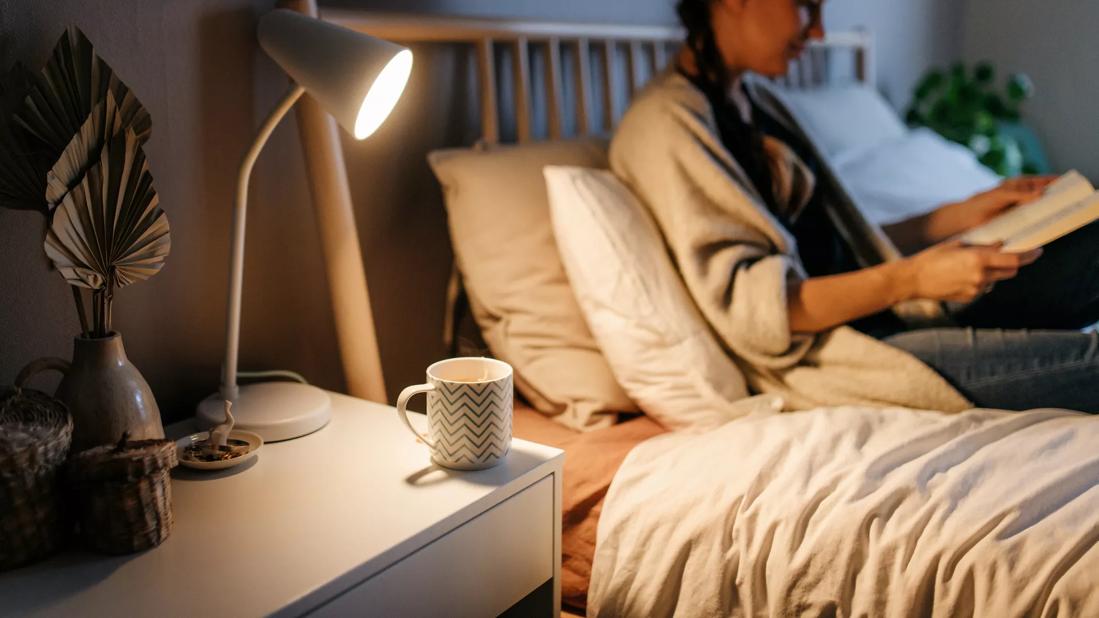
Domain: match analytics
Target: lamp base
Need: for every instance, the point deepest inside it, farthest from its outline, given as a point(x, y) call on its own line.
point(274, 410)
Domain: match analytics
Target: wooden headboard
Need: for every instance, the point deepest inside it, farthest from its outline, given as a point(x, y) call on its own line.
point(596, 60)
point(594, 52)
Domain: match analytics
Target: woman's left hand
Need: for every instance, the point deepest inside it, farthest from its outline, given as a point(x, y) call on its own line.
point(959, 217)
point(1028, 183)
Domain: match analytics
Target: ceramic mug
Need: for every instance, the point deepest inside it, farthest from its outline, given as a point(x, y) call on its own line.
point(469, 407)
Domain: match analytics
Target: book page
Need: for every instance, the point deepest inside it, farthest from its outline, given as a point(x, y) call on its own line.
point(1066, 182)
point(1067, 221)
point(1066, 191)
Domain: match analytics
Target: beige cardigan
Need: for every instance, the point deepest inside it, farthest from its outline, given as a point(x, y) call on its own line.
point(737, 259)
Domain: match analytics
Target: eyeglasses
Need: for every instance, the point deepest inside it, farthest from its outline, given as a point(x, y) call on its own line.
point(810, 11)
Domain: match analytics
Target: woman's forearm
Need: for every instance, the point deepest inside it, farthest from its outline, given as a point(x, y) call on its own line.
point(821, 303)
point(918, 233)
point(907, 235)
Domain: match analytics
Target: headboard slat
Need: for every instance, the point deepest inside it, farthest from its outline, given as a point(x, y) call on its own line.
point(520, 65)
point(609, 51)
point(633, 73)
point(659, 56)
point(582, 77)
point(555, 113)
point(486, 75)
point(820, 66)
point(864, 58)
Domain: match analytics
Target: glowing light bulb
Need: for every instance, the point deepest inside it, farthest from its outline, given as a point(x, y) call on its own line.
point(383, 94)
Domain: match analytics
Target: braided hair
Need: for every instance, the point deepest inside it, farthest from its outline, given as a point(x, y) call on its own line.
point(743, 140)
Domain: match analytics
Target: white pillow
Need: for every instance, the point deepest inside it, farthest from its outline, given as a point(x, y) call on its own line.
point(891, 173)
point(911, 175)
point(840, 119)
point(657, 343)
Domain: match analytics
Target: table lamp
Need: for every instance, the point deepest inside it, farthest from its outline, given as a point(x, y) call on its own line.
point(357, 79)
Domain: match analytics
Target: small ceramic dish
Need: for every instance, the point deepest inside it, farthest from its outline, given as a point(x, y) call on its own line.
point(246, 442)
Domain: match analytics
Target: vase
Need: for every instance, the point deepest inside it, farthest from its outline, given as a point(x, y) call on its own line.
point(107, 395)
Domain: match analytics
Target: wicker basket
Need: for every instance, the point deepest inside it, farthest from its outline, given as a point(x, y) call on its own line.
point(35, 434)
point(124, 494)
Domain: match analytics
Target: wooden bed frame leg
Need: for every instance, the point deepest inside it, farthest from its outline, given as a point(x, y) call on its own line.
point(354, 319)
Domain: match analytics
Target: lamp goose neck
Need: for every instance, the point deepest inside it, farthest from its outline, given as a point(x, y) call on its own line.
point(229, 388)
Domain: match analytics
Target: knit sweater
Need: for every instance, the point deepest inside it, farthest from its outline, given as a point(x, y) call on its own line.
point(737, 259)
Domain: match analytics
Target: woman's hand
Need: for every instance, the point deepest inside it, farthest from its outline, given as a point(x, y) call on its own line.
point(953, 219)
point(956, 272)
point(983, 207)
point(1029, 183)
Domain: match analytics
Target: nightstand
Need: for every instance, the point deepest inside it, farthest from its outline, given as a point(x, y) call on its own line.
point(350, 520)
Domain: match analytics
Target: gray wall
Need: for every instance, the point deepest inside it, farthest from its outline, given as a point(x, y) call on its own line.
point(910, 35)
point(1055, 44)
point(196, 68)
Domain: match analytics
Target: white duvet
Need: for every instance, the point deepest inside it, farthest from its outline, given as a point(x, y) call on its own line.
point(857, 512)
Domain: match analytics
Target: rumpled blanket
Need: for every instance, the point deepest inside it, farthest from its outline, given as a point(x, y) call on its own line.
point(857, 511)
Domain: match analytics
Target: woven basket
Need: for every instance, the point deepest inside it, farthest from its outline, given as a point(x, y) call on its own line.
point(124, 495)
point(35, 434)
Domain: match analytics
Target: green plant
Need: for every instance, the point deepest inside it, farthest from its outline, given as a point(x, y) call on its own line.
point(970, 108)
point(70, 148)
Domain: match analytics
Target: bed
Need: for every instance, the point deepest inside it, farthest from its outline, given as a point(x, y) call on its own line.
point(839, 511)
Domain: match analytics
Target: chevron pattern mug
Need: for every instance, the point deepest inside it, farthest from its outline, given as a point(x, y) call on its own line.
point(469, 407)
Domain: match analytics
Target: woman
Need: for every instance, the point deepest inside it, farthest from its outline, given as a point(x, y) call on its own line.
point(769, 254)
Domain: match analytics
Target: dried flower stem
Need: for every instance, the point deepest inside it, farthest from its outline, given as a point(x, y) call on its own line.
point(108, 304)
point(81, 313)
point(97, 313)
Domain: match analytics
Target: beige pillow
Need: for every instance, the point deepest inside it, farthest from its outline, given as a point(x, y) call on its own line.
point(659, 345)
point(504, 245)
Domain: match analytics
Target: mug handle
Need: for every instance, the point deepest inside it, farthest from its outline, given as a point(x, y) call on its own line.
point(402, 408)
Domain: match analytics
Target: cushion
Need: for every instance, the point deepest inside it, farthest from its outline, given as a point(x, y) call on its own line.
point(659, 346)
point(520, 297)
point(841, 118)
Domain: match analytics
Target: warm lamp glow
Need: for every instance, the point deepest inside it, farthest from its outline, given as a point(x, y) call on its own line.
point(383, 94)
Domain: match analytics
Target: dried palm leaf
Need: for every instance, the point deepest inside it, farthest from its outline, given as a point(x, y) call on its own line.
point(23, 163)
point(83, 150)
point(70, 86)
point(109, 230)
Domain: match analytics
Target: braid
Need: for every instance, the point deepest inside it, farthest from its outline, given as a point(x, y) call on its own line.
point(743, 140)
point(712, 75)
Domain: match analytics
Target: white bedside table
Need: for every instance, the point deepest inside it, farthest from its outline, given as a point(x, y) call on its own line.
point(350, 520)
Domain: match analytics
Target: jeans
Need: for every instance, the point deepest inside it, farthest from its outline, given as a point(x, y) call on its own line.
point(997, 361)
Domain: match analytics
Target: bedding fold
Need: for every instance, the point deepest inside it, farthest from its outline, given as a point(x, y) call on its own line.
point(857, 511)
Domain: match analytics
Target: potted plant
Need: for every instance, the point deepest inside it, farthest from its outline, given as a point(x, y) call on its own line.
point(970, 108)
point(71, 148)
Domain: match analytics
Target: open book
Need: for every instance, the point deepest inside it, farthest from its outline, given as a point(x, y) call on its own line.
point(1067, 205)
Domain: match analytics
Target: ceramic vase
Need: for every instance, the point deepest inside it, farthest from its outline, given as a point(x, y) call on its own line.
point(107, 395)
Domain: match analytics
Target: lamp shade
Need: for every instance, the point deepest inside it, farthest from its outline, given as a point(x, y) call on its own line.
point(357, 78)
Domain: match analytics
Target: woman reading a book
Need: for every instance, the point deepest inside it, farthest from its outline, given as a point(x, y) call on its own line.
point(771, 253)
